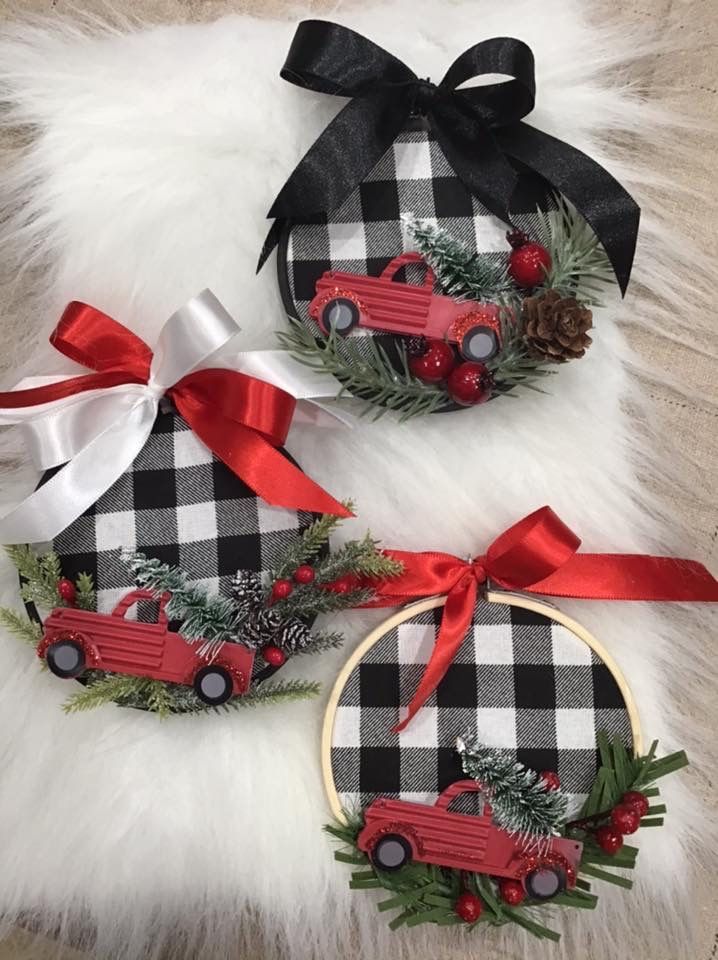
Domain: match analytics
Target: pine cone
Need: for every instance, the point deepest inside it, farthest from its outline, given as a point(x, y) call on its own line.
point(555, 327)
point(247, 591)
point(293, 635)
point(259, 629)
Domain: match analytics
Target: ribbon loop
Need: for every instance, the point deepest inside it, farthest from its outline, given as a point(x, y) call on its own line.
point(479, 129)
point(97, 424)
point(538, 555)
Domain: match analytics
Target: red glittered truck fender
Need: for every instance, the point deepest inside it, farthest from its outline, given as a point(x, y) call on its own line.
point(398, 831)
point(344, 301)
point(76, 640)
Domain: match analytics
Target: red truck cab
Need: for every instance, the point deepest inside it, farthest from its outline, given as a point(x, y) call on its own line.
point(398, 831)
point(76, 640)
point(344, 301)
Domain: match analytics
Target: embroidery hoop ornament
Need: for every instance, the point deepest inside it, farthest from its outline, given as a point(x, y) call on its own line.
point(412, 610)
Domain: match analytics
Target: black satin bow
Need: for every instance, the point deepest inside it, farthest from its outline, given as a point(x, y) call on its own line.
point(479, 130)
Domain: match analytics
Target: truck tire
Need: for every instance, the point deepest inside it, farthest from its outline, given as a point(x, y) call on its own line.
point(340, 314)
point(65, 658)
point(545, 882)
point(390, 852)
point(213, 685)
point(479, 344)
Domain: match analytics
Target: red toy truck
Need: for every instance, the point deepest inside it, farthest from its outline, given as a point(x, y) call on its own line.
point(397, 831)
point(346, 300)
point(75, 640)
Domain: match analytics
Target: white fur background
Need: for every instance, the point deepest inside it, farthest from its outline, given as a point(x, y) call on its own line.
point(150, 159)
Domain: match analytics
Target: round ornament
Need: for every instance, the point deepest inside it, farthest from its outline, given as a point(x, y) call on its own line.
point(527, 681)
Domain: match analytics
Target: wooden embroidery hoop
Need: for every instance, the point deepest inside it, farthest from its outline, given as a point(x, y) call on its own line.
point(412, 610)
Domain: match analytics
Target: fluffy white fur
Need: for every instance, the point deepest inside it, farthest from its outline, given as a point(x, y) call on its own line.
point(153, 156)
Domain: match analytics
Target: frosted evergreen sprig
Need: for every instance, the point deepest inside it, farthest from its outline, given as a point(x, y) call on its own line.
point(521, 801)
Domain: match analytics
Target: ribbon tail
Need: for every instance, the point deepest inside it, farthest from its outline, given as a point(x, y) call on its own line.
point(81, 482)
point(265, 470)
point(610, 210)
point(455, 621)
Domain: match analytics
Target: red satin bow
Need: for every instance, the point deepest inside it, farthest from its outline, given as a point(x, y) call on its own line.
point(536, 555)
point(241, 419)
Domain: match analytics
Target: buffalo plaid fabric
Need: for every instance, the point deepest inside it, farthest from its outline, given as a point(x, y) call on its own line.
point(182, 505)
point(520, 682)
point(365, 233)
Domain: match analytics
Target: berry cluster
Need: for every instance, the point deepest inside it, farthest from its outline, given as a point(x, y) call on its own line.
point(435, 361)
point(625, 818)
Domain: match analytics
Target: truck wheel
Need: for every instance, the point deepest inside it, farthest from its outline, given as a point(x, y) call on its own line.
point(340, 314)
point(213, 685)
point(546, 882)
point(479, 343)
point(65, 658)
point(391, 852)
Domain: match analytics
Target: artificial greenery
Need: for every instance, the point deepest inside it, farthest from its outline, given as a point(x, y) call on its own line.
point(427, 893)
point(250, 616)
point(463, 274)
point(579, 265)
point(579, 269)
point(365, 371)
point(521, 801)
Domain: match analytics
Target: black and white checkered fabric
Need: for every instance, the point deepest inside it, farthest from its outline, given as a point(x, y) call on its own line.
point(520, 682)
point(182, 505)
point(365, 233)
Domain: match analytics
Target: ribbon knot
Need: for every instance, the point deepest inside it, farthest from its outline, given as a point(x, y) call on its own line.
point(478, 128)
point(538, 555)
point(97, 423)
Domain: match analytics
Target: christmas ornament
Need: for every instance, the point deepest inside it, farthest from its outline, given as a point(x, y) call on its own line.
point(67, 590)
point(513, 811)
point(609, 839)
point(469, 384)
point(434, 363)
point(555, 327)
point(638, 801)
point(400, 241)
point(529, 262)
point(273, 655)
point(512, 892)
point(551, 779)
point(468, 906)
point(625, 818)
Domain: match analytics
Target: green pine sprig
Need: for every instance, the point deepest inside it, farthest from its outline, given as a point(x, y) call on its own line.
point(309, 544)
point(579, 264)
point(29, 631)
point(364, 370)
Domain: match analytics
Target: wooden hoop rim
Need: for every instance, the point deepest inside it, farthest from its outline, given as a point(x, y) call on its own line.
point(406, 613)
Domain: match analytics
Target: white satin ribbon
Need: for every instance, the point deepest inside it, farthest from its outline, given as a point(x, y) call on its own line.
point(98, 434)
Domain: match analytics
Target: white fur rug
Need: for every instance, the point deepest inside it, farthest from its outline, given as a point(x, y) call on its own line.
point(152, 156)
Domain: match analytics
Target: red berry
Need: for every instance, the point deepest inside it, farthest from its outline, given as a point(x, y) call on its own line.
point(609, 839)
point(67, 590)
point(512, 892)
point(468, 907)
point(637, 800)
point(304, 574)
point(435, 364)
point(341, 584)
point(625, 818)
point(273, 655)
point(551, 779)
point(528, 262)
point(470, 383)
point(281, 589)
